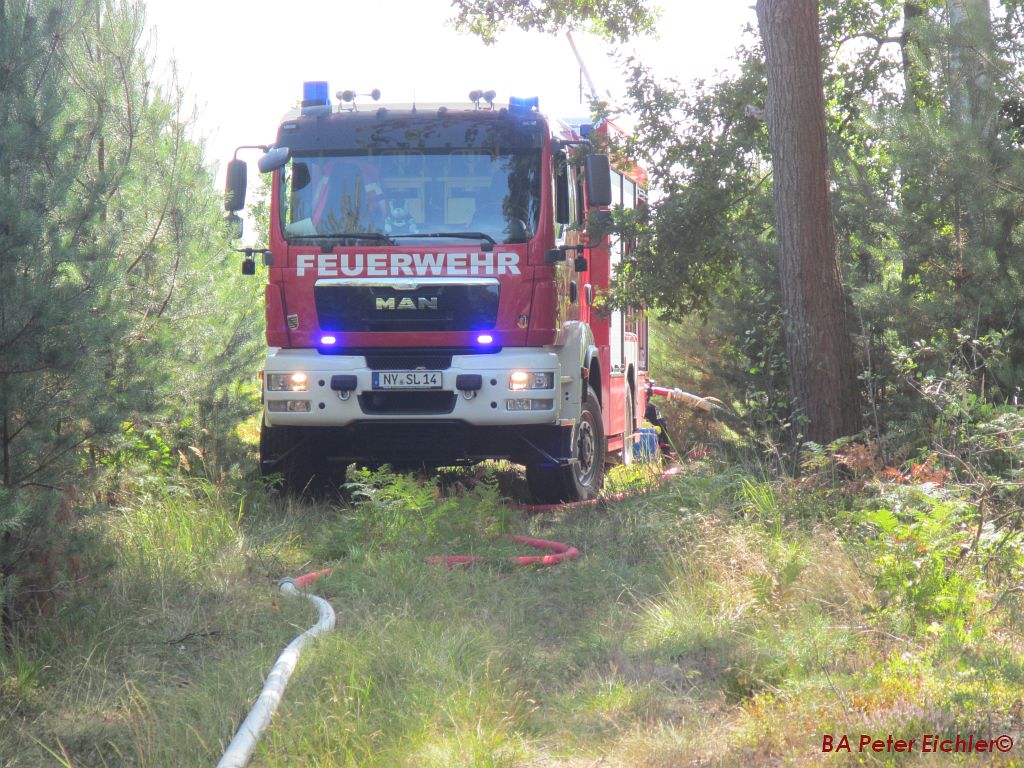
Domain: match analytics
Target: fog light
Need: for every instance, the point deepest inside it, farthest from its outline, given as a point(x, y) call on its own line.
point(529, 404)
point(286, 382)
point(289, 406)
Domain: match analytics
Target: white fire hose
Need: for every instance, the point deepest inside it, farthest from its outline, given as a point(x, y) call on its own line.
point(242, 745)
point(706, 404)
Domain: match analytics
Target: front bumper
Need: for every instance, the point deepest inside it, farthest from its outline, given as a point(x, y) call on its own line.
point(486, 407)
point(431, 443)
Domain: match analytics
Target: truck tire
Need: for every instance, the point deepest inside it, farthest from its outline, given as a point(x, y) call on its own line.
point(584, 478)
point(290, 457)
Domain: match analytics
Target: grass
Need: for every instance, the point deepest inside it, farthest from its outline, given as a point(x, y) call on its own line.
point(712, 620)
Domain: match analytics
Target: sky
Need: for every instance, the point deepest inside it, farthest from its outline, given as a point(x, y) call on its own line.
point(243, 63)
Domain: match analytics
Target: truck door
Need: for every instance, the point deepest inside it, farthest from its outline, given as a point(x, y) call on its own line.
point(617, 389)
point(617, 328)
point(566, 233)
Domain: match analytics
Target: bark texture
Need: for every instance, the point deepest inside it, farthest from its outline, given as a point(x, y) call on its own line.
point(971, 62)
point(818, 343)
point(915, 74)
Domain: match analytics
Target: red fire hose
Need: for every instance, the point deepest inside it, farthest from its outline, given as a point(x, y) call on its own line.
point(561, 552)
point(304, 581)
point(241, 747)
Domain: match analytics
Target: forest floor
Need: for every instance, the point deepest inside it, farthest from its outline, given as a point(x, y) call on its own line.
point(716, 619)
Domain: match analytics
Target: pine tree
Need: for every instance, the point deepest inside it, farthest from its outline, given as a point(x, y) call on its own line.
point(117, 310)
point(55, 270)
point(823, 372)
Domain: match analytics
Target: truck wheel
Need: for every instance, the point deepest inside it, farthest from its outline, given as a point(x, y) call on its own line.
point(585, 477)
point(290, 457)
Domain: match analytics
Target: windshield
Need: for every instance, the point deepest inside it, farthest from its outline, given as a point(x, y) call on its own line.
point(412, 192)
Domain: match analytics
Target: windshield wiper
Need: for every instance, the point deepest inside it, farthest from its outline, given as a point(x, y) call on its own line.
point(463, 235)
point(349, 236)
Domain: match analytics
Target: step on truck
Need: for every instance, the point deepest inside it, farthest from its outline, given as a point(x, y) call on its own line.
point(432, 297)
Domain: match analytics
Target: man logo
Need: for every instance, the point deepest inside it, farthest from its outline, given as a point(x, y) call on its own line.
point(419, 302)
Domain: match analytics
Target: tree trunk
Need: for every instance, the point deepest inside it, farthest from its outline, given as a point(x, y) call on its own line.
point(916, 58)
point(971, 61)
point(818, 345)
point(915, 75)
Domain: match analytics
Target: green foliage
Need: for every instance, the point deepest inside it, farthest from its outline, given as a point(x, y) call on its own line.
point(760, 499)
point(173, 531)
point(926, 204)
point(395, 511)
point(614, 19)
point(920, 550)
point(147, 448)
point(706, 154)
point(122, 333)
point(682, 624)
point(54, 272)
point(967, 420)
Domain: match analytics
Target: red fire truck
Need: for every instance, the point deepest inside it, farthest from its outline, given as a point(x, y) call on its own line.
point(432, 298)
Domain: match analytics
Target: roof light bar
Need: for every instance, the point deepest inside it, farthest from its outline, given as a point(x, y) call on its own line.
point(315, 93)
point(517, 104)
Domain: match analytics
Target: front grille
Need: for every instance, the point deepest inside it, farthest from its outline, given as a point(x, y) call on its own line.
point(437, 306)
point(400, 356)
point(408, 362)
point(407, 403)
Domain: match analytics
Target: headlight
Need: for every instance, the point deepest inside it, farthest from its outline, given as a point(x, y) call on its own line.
point(287, 382)
point(519, 381)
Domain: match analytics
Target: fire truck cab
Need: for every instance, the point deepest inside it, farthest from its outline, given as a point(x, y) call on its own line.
point(432, 298)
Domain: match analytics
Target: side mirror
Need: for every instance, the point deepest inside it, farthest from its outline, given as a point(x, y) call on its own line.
point(554, 256)
point(274, 158)
point(234, 188)
point(580, 264)
point(234, 225)
point(599, 181)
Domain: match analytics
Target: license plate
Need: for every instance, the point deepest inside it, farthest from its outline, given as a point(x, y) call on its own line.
point(407, 379)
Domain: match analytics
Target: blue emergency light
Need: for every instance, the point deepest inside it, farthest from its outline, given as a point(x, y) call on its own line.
point(315, 93)
point(585, 129)
point(517, 104)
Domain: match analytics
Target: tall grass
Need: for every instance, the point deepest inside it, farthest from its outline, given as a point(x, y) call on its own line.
point(178, 530)
point(714, 617)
